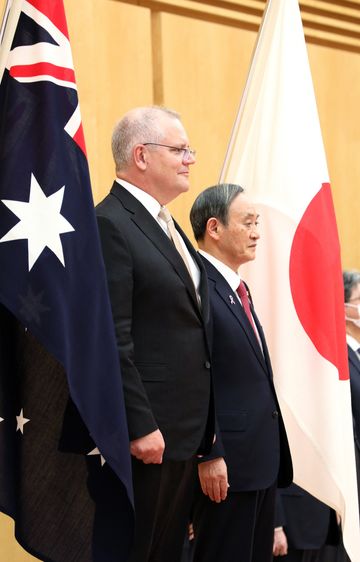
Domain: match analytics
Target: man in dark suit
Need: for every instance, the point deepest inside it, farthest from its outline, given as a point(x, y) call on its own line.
point(234, 516)
point(304, 525)
point(160, 306)
point(352, 315)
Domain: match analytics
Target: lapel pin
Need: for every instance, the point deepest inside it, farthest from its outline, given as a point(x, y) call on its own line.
point(231, 299)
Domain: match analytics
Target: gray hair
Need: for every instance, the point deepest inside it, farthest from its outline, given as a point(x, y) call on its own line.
point(137, 126)
point(212, 202)
point(351, 279)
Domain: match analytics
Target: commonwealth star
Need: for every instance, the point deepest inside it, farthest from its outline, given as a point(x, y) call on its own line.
point(40, 222)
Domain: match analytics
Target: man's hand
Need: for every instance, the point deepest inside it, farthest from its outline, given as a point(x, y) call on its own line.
point(280, 547)
point(149, 448)
point(213, 479)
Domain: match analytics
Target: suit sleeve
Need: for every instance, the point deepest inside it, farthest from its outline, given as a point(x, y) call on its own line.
point(217, 449)
point(355, 396)
point(120, 276)
point(280, 519)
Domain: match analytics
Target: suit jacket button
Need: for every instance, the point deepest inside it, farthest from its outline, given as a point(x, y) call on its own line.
point(275, 414)
point(207, 364)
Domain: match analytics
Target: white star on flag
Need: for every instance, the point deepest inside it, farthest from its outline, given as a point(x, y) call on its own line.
point(40, 222)
point(97, 452)
point(21, 421)
point(1, 419)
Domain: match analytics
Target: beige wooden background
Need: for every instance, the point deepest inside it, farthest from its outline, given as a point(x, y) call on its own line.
point(194, 55)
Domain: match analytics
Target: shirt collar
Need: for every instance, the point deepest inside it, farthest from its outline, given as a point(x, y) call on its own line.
point(144, 198)
point(352, 342)
point(229, 274)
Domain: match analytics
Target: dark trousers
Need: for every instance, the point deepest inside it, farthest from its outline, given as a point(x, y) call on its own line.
point(112, 532)
point(334, 554)
point(163, 498)
point(300, 556)
point(239, 529)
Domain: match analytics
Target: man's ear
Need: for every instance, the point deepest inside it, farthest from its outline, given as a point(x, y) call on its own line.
point(140, 156)
point(213, 228)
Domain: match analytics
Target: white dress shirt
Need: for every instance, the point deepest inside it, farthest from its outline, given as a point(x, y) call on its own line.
point(354, 344)
point(153, 207)
point(231, 276)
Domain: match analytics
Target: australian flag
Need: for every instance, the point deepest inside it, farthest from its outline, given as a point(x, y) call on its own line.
point(61, 401)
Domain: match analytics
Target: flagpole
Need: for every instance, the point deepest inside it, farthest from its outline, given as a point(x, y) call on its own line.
point(8, 26)
point(4, 16)
point(236, 125)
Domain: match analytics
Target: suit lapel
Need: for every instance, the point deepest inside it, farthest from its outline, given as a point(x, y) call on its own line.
point(353, 358)
point(265, 350)
point(224, 290)
point(153, 231)
point(203, 288)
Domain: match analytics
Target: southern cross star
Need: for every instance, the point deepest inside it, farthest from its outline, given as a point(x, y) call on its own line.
point(21, 421)
point(32, 306)
point(97, 452)
point(40, 222)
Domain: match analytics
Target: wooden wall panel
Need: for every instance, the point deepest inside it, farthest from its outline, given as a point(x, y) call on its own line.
point(10, 550)
point(111, 45)
point(204, 68)
point(336, 76)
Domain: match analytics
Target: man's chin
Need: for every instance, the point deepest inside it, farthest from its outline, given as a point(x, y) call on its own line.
point(176, 191)
point(184, 186)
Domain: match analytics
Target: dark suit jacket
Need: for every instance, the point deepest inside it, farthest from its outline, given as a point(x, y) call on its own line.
point(354, 368)
point(308, 523)
point(160, 330)
point(251, 435)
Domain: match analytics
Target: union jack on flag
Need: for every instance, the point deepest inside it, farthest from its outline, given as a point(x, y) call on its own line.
point(61, 398)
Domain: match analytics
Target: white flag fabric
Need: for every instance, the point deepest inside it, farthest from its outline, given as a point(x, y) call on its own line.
point(276, 153)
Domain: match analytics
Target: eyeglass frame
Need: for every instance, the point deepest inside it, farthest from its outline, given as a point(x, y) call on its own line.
point(187, 152)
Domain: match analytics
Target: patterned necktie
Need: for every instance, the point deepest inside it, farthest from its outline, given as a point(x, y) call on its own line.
point(164, 214)
point(243, 294)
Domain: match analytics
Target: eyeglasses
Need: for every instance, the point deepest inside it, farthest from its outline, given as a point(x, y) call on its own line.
point(185, 153)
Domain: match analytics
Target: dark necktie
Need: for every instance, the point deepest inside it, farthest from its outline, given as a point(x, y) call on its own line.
point(243, 294)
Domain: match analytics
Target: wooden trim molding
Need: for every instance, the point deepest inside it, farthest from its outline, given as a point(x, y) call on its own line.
point(332, 23)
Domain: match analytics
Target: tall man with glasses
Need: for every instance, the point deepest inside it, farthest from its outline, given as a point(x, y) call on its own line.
point(158, 291)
